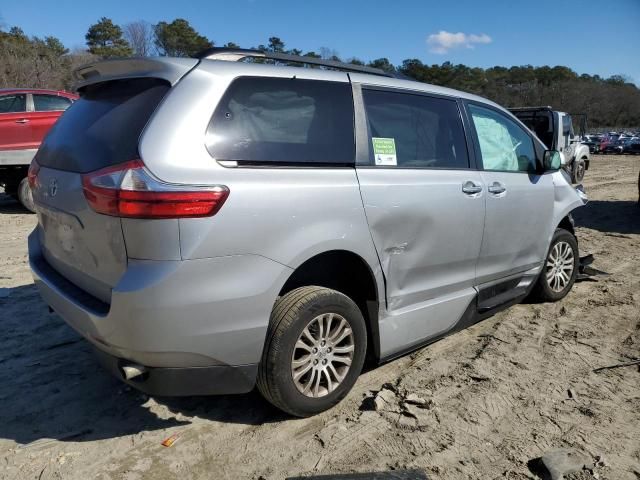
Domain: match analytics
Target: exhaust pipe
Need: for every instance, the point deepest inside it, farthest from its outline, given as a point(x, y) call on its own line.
point(133, 370)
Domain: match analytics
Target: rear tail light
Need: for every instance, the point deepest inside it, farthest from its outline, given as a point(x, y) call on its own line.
point(32, 174)
point(130, 190)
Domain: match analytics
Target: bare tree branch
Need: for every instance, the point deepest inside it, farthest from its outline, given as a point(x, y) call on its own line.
point(141, 36)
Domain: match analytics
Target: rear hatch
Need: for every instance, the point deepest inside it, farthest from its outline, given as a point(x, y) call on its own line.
point(100, 130)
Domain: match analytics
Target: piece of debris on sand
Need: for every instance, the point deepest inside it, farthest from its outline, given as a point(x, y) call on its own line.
point(385, 400)
point(557, 463)
point(167, 442)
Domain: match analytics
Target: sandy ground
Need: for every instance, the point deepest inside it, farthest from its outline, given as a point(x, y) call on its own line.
point(497, 395)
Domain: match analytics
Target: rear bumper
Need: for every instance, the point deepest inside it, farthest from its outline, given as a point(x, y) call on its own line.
point(185, 381)
point(175, 315)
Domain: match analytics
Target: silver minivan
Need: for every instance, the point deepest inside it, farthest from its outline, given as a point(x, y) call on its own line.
point(213, 224)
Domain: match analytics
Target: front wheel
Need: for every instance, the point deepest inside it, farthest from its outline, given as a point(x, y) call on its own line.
point(314, 352)
point(560, 268)
point(577, 173)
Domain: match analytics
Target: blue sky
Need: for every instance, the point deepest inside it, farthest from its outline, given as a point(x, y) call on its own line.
point(590, 36)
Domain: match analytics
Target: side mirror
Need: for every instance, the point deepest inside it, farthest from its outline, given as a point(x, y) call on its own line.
point(552, 160)
point(563, 160)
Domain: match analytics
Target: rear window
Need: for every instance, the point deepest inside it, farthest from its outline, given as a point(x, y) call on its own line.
point(283, 121)
point(103, 127)
point(50, 103)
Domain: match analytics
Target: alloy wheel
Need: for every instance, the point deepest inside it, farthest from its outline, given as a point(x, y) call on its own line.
point(560, 265)
point(322, 355)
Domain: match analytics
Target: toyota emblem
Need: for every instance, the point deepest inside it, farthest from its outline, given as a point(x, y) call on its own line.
point(53, 187)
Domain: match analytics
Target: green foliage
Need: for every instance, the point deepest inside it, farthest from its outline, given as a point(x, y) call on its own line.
point(607, 102)
point(275, 45)
point(54, 46)
point(179, 39)
point(105, 40)
point(382, 64)
point(32, 62)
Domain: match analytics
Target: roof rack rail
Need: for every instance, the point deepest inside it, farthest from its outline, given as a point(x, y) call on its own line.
point(237, 54)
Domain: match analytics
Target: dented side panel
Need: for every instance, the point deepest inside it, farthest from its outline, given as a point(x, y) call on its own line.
point(426, 231)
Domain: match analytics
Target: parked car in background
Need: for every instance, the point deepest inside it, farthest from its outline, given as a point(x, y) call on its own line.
point(631, 146)
point(593, 142)
point(211, 225)
point(607, 141)
point(614, 146)
point(26, 115)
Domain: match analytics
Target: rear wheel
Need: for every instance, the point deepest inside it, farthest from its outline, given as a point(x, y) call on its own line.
point(560, 268)
point(24, 195)
point(315, 349)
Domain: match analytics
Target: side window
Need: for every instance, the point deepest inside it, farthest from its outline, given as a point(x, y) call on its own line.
point(283, 120)
point(49, 103)
point(409, 130)
point(567, 126)
point(13, 103)
point(504, 145)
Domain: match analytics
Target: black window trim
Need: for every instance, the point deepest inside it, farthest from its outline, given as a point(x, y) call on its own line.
point(285, 164)
point(537, 148)
point(363, 152)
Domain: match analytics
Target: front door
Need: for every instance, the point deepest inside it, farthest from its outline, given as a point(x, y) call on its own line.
point(519, 207)
point(425, 209)
point(15, 130)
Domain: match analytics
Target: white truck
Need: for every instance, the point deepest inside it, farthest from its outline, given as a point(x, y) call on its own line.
point(555, 130)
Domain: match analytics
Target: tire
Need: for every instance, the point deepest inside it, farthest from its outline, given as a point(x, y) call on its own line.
point(550, 288)
point(306, 308)
point(25, 197)
point(577, 170)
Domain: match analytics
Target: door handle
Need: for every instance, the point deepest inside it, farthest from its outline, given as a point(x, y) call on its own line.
point(22, 120)
point(471, 188)
point(497, 188)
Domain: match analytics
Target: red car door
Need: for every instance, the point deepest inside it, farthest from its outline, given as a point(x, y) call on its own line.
point(15, 128)
point(47, 110)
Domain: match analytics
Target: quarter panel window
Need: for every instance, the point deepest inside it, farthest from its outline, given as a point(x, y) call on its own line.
point(283, 120)
point(50, 103)
point(504, 145)
point(409, 130)
point(13, 103)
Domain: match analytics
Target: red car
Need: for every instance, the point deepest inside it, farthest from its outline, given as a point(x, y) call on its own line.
point(607, 143)
point(26, 115)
